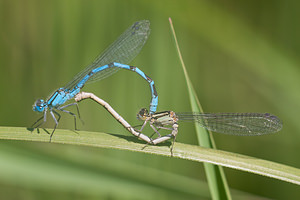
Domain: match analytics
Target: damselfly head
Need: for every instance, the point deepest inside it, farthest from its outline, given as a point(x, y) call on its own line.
point(142, 114)
point(39, 105)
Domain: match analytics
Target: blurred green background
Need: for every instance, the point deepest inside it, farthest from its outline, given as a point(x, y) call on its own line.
point(242, 56)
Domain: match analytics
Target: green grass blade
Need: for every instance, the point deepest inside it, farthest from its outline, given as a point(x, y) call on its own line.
point(183, 151)
point(63, 168)
point(215, 174)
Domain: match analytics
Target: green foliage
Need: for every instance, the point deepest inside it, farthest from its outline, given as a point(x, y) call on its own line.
point(183, 151)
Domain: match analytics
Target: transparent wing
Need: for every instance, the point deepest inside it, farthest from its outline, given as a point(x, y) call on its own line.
point(123, 50)
point(235, 123)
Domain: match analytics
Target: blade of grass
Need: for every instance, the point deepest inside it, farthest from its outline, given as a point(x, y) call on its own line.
point(64, 168)
point(183, 151)
point(215, 174)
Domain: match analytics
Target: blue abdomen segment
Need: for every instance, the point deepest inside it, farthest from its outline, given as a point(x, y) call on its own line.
point(154, 96)
point(100, 70)
point(91, 74)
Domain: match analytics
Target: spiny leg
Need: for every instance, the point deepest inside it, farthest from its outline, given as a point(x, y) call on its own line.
point(37, 122)
point(137, 126)
point(55, 120)
point(72, 104)
point(143, 126)
point(174, 134)
point(162, 127)
point(168, 137)
point(155, 130)
point(154, 133)
point(140, 131)
point(77, 107)
point(43, 117)
point(172, 145)
point(66, 111)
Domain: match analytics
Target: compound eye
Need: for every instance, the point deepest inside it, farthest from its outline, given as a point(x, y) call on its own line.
point(39, 103)
point(142, 114)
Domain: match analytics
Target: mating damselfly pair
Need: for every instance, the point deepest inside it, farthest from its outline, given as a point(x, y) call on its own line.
point(116, 57)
